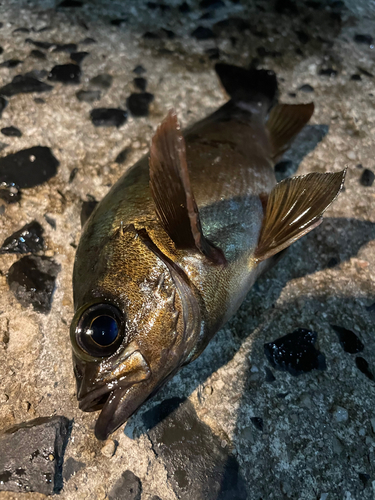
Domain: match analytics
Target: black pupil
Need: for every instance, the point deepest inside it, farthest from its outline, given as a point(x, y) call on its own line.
point(104, 330)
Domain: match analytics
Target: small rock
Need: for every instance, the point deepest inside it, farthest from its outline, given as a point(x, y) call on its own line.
point(170, 34)
point(364, 39)
point(108, 117)
point(3, 105)
point(362, 366)
point(150, 35)
point(10, 194)
point(32, 281)
point(348, 340)
point(39, 74)
point(70, 3)
point(102, 81)
point(364, 478)
point(50, 221)
point(202, 33)
point(21, 30)
point(119, 22)
point(87, 209)
point(330, 72)
point(356, 77)
point(213, 53)
point(127, 487)
point(364, 72)
point(140, 83)
point(22, 84)
point(25, 451)
point(28, 239)
point(11, 63)
point(306, 88)
point(73, 174)
point(40, 45)
point(109, 448)
point(28, 167)
point(258, 423)
point(37, 54)
point(155, 497)
point(139, 70)
point(65, 47)
point(138, 104)
point(88, 41)
point(71, 467)
point(340, 414)
point(121, 157)
point(11, 132)
point(65, 73)
point(211, 4)
point(367, 178)
point(295, 352)
point(78, 57)
point(88, 95)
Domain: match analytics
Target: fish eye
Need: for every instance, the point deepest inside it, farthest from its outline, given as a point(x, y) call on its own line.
point(99, 330)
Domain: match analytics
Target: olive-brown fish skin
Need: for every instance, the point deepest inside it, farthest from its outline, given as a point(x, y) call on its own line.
point(172, 300)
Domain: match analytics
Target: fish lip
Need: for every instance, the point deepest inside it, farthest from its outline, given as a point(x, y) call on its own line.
point(87, 402)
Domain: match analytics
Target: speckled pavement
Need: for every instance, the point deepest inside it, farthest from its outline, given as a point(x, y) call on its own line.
point(303, 437)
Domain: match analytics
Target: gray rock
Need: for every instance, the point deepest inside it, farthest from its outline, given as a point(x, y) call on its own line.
point(32, 454)
point(88, 95)
point(199, 467)
point(102, 81)
point(127, 487)
point(71, 467)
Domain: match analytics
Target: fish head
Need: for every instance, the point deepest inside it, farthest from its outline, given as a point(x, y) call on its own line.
point(135, 324)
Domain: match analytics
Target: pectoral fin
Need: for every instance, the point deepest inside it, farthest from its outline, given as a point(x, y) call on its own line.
point(284, 123)
point(294, 207)
point(172, 193)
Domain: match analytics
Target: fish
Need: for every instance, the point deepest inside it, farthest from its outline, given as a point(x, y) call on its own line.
point(170, 253)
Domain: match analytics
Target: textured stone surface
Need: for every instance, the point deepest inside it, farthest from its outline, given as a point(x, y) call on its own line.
point(32, 455)
point(306, 451)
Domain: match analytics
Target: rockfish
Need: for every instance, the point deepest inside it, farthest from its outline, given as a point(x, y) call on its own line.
point(168, 256)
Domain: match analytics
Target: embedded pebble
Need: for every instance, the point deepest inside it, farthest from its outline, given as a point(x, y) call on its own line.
point(22, 84)
point(295, 352)
point(108, 117)
point(28, 239)
point(306, 88)
point(88, 41)
point(362, 366)
point(39, 74)
point(3, 105)
point(109, 448)
point(32, 281)
point(78, 57)
point(258, 423)
point(211, 4)
point(139, 70)
point(11, 131)
point(122, 156)
point(10, 194)
point(88, 95)
point(39, 44)
point(28, 167)
point(202, 33)
point(348, 340)
point(138, 104)
point(32, 455)
point(140, 83)
point(37, 54)
point(127, 487)
point(367, 178)
point(65, 73)
point(330, 72)
point(65, 47)
point(356, 77)
point(102, 81)
point(71, 3)
point(11, 63)
point(364, 39)
point(340, 414)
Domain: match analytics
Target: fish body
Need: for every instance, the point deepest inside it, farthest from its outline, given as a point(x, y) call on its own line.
point(169, 254)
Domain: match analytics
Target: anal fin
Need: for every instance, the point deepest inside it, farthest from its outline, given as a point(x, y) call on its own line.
point(172, 193)
point(284, 123)
point(294, 207)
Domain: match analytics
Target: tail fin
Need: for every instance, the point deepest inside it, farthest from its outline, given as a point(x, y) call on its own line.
point(248, 85)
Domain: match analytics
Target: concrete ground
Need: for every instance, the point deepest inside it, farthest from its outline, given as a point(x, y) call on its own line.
point(284, 437)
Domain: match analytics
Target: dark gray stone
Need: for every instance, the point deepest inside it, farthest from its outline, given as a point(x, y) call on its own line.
point(32, 454)
point(28, 239)
point(65, 73)
point(22, 84)
point(102, 81)
point(28, 167)
point(127, 487)
point(108, 117)
point(88, 95)
point(32, 281)
point(198, 466)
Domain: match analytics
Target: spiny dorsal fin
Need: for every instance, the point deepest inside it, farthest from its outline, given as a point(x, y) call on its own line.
point(295, 206)
point(171, 190)
point(284, 123)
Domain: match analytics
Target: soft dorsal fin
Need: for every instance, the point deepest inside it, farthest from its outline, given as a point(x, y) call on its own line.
point(284, 123)
point(295, 206)
point(172, 193)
